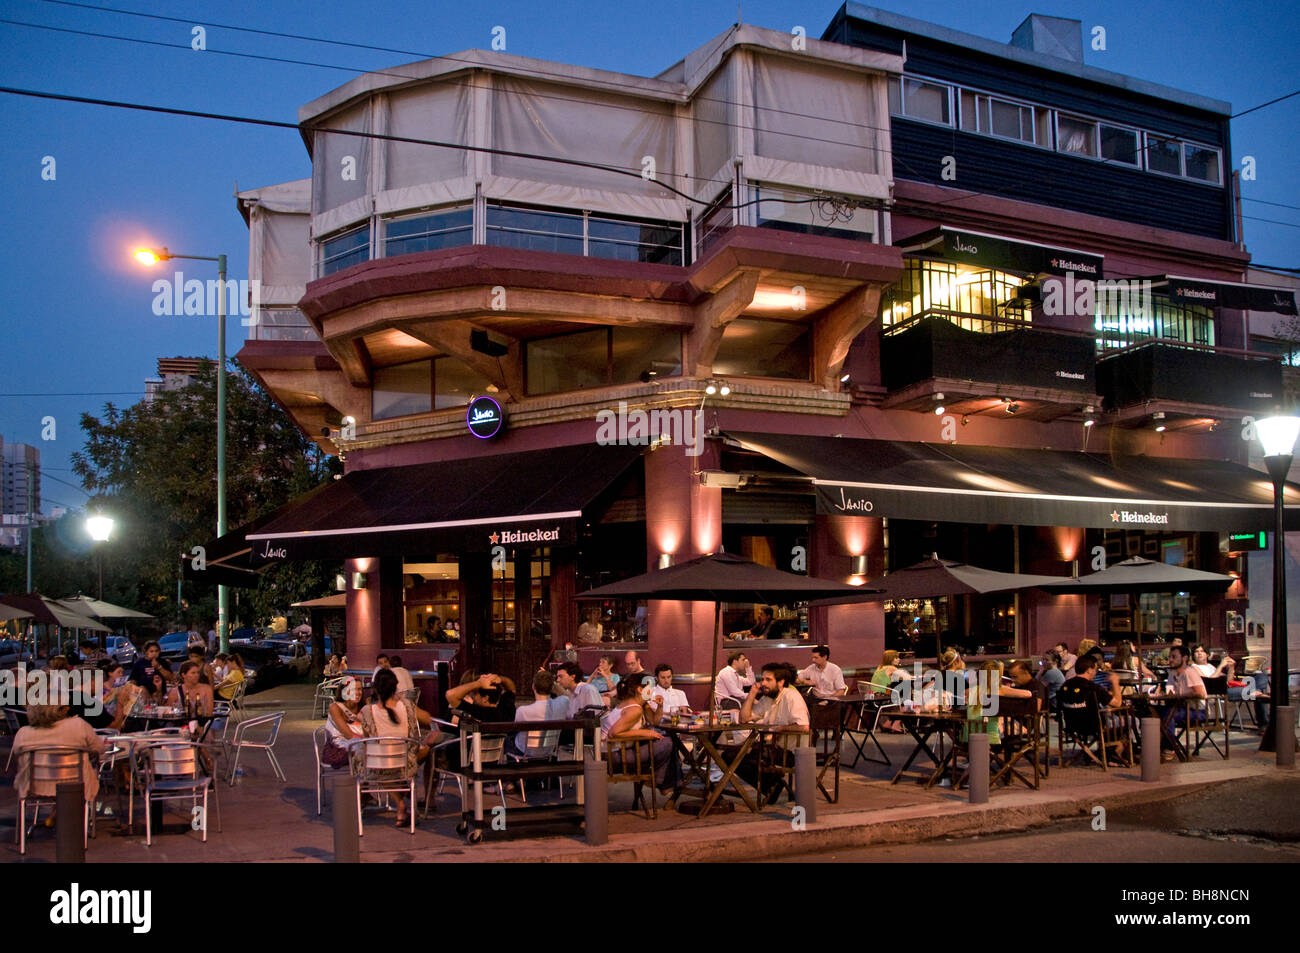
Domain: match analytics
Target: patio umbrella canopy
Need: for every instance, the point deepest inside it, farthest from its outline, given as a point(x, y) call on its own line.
point(99, 609)
point(1144, 575)
point(9, 612)
point(719, 578)
point(944, 577)
point(49, 612)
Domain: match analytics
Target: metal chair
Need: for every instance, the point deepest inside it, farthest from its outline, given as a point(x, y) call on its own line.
point(253, 726)
point(51, 765)
point(538, 746)
point(236, 711)
point(173, 771)
point(326, 694)
point(380, 757)
point(492, 750)
point(434, 772)
point(319, 737)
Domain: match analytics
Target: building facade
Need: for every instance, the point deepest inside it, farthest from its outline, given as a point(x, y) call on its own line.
point(816, 302)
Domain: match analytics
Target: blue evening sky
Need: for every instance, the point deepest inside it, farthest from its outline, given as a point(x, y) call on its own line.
point(79, 316)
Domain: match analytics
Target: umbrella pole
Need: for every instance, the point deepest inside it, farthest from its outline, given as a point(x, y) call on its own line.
point(717, 636)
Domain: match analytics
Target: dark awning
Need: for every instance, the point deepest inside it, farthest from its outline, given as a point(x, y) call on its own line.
point(1003, 253)
point(952, 483)
point(532, 499)
point(1227, 294)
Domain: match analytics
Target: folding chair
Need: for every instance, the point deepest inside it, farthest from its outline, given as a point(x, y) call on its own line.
point(1019, 737)
point(173, 771)
point(776, 763)
point(636, 765)
point(51, 765)
point(383, 769)
point(1215, 716)
point(254, 726)
point(871, 710)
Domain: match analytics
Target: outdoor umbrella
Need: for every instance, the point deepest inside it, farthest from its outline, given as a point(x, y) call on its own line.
point(49, 612)
point(9, 612)
point(719, 578)
point(934, 577)
point(99, 609)
point(1143, 575)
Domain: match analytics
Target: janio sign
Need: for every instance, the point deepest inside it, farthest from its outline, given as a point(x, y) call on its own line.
point(485, 418)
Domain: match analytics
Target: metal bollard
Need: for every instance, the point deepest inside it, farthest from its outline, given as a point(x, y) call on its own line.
point(596, 808)
point(805, 781)
point(347, 835)
point(978, 748)
point(69, 804)
point(1284, 741)
point(1151, 737)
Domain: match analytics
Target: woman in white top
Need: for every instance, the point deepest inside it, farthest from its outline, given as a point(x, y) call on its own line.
point(391, 716)
point(626, 722)
point(343, 724)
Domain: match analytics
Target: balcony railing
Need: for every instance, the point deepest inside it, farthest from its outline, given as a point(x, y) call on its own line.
point(1190, 373)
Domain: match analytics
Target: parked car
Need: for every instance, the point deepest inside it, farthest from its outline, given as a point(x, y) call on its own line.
point(296, 656)
point(173, 647)
point(263, 667)
point(121, 649)
point(11, 653)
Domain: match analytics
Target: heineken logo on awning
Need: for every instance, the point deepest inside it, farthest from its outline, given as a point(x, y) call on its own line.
point(509, 537)
point(1132, 516)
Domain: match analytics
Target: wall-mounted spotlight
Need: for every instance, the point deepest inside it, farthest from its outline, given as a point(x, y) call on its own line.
point(1159, 418)
point(719, 387)
point(859, 565)
point(1088, 419)
point(844, 378)
point(964, 420)
point(938, 405)
point(359, 580)
point(1013, 407)
point(665, 560)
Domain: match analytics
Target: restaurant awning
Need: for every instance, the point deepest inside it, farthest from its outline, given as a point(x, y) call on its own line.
point(1226, 294)
point(1015, 486)
point(1003, 253)
point(533, 498)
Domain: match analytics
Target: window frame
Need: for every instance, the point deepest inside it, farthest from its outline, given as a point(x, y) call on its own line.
point(428, 211)
point(323, 260)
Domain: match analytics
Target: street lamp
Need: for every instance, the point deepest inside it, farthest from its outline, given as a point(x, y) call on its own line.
point(100, 528)
point(1278, 436)
point(152, 256)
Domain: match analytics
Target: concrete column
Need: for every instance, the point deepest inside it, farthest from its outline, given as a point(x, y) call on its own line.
point(855, 633)
point(979, 767)
point(1151, 749)
point(595, 781)
point(347, 835)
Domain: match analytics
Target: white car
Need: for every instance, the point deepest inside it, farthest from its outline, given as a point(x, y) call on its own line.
point(120, 649)
point(295, 655)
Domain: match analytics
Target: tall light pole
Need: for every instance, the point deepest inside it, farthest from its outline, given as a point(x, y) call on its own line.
point(1278, 437)
point(151, 256)
point(100, 527)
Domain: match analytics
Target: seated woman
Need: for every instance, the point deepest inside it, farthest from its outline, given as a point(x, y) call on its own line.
point(1126, 662)
point(189, 694)
point(981, 713)
point(343, 724)
point(627, 720)
point(225, 689)
point(605, 679)
point(119, 696)
point(334, 667)
point(53, 725)
point(882, 678)
point(391, 716)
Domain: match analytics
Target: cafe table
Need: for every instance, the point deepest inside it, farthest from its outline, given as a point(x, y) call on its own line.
point(922, 726)
point(1168, 707)
point(832, 715)
point(704, 750)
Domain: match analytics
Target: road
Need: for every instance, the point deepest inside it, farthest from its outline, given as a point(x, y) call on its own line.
point(1251, 821)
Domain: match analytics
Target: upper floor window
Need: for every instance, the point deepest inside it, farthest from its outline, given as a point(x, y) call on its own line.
point(600, 357)
point(976, 299)
point(926, 100)
point(418, 387)
point(345, 250)
point(1076, 135)
point(752, 347)
point(595, 234)
point(1005, 119)
point(1127, 320)
point(445, 228)
point(281, 324)
point(809, 214)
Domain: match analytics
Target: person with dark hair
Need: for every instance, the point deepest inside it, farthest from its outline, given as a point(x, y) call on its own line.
point(234, 676)
point(734, 679)
point(189, 694)
point(1023, 678)
point(394, 716)
point(628, 720)
point(544, 707)
point(1184, 682)
point(670, 699)
point(405, 682)
point(580, 694)
point(197, 655)
point(1068, 659)
point(1107, 695)
point(1052, 675)
point(605, 679)
point(775, 701)
point(483, 697)
point(763, 627)
point(150, 672)
point(381, 662)
point(825, 677)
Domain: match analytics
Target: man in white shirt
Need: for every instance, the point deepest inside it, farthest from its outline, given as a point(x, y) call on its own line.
point(670, 699)
point(542, 708)
point(826, 678)
point(734, 679)
point(774, 702)
point(580, 694)
point(404, 680)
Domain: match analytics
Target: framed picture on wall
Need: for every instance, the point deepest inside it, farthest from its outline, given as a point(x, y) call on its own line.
point(1166, 606)
point(1121, 623)
point(1166, 626)
point(1151, 547)
point(1119, 600)
point(1132, 545)
point(1180, 625)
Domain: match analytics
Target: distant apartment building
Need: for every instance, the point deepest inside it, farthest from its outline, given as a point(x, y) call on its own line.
point(173, 374)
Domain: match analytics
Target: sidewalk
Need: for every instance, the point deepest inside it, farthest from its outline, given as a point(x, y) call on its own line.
point(264, 820)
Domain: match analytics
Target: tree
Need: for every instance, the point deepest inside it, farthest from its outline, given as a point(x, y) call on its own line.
point(153, 467)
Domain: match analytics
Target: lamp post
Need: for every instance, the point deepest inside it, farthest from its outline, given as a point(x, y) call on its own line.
point(100, 528)
point(1278, 436)
point(151, 256)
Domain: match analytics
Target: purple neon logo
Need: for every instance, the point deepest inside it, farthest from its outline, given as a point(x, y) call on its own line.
point(484, 417)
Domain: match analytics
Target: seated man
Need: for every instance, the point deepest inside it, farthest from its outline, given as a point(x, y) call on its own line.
point(774, 702)
point(1083, 694)
point(762, 628)
point(405, 682)
point(1184, 682)
point(1023, 678)
point(734, 679)
point(542, 708)
point(580, 694)
point(632, 668)
point(670, 699)
point(825, 677)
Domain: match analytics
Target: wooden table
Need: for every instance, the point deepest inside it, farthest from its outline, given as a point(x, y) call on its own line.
point(922, 726)
point(844, 706)
point(697, 767)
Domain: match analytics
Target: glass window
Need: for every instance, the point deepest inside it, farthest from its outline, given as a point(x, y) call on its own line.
point(568, 362)
point(628, 240)
point(755, 348)
point(1006, 120)
point(444, 229)
point(975, 299)
point(895, 96)
point(282, 324)
point(922, 100)
point(1075, 135)
point(810, 214)
point(345, 250)
point(1201, 163)
point(1043, 126)
point(1164, 154)
point(968, 115)
point(1125, 320)
point(455, 382)
point(638, 350)
point(402, 389)
point(534, 229)
point(1119, 145)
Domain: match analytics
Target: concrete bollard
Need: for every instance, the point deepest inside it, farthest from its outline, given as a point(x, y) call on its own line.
point(1285, 739)
point(1151, 737)
point(595, 780)
point(805, 781)
point(978, 747)
point(69, 805)
point(347, 833)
